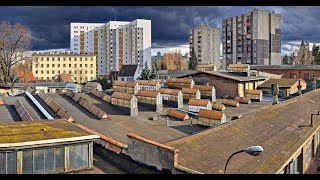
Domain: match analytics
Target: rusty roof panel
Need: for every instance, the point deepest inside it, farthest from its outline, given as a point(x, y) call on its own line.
point(253, 91)
point(198, 102)
point(142, 82)
point(211, 114)
point(146, 93)
point(178, 114)
point(230, 102)
point(123, 96)
point(189, 91)
point(203, 87)
point(169, 91)
point(219, 107)
point(180, 80)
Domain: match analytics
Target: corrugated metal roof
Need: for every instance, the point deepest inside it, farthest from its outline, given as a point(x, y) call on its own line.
point(177, 114)
point(198, 102)
point(189, 91)
point(212, 114)
point(179, 80)
point(146, 93)
point(230, 102)
point(123, 96)
point(253, 91)
point(203, 87)
point(219, 107)
point(169, 91)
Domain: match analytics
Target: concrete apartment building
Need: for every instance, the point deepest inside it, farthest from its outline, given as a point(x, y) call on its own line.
point(48, 66)
point(205, 43)
point(252, 38)
point(116, 43)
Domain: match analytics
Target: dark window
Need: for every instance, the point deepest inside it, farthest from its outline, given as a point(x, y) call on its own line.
point(27, 162)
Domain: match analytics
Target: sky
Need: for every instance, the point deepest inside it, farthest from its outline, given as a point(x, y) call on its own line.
point(50, 26)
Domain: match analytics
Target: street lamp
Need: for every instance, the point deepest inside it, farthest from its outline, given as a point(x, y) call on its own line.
point(252, 150)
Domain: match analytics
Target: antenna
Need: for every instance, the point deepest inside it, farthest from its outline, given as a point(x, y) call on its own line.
point(115, 16)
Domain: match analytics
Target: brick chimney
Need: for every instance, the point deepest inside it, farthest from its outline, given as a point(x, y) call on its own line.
point(275, 93)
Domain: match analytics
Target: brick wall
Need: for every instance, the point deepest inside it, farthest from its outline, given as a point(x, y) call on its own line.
point(222, 85)
point(293, 73)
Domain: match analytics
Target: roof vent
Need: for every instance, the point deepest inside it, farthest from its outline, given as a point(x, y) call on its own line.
point(43, 129)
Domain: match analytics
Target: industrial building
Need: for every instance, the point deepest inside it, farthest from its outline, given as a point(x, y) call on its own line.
point(126, 87)
point(226, 84)
point(252, 38)
point(44, 147)
point(178, 114)
point(253, 94)
point(286, 86)
point(149, 85)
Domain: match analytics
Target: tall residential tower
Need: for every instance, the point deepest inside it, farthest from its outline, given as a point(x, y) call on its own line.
point(252, 38)
point(205, 43)
point(116, 43)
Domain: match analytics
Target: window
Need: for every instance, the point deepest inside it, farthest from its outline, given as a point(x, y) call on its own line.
point(58, 59)
point(42, 59)
point(81, 65)
point(59, 159)
point(86, 59)
point(47, 65)
point(85, 71)
point(41, 72)
point(52, 65)
point(58, 65)
point(36, 72)
point(58, 71)
point(69, 58)
point(75, 65)
point(69, 65)
point(8, 162)
point(52, 58)
point(91, 65)
point(47, 59)
point(79, 156)
point(38, 158)
point(86, 65)
point(309, 152)
point(64, 59)
point(91, 71)
point(75, 71)
point(52, 71)
point(27, 162)
point(64, 65)
point(48, 72)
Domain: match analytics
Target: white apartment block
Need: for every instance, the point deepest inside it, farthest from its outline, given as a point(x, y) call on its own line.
point(116, 43)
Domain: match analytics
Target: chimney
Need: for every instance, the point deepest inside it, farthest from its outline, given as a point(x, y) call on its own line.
point(299, 87)
point(275, 93)
point(314, 83)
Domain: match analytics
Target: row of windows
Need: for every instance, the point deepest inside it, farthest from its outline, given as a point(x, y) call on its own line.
point(45, 160)
point(64, 59)
point(64, 71)
point(53, 78)
point(63, 65)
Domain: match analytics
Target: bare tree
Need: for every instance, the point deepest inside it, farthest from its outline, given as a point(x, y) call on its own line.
point(15, 41)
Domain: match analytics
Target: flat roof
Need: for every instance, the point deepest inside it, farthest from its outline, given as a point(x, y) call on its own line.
point(284, 67)
point(282, 83)
point(226, 75)
point(280, 129)
point(26, 131)
point(121, 123)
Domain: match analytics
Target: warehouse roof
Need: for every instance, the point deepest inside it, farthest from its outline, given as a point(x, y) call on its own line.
point(211, 114)
point(283, 83)
point(128, 70)
point(280, 129)
point(19, 132)
point(226, 75)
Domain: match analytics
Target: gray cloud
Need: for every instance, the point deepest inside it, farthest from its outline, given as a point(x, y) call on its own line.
point(170, 25)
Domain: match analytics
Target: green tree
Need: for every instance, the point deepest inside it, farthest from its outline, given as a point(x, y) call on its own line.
point(193, 61)
point(285, 59)
point(145, 74)
point(104, 82)
point(154, 72)
point(316, 53)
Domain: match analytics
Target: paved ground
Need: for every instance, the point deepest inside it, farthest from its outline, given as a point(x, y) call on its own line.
point(120, 123)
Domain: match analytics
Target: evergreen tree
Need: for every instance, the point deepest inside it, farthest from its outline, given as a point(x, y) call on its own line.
point(104, 82)
point(316, 53)
point(145, 74)
point(154, 72)
point(193, 61)
point(302, 43)
point(285, 60)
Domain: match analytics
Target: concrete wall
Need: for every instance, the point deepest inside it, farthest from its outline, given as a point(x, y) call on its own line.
point(151, 153)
